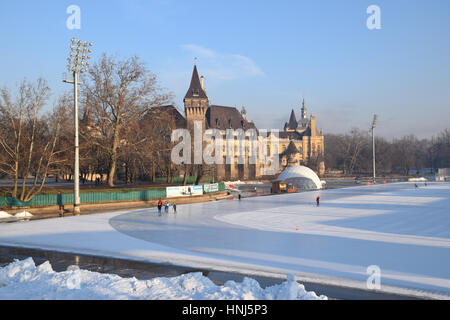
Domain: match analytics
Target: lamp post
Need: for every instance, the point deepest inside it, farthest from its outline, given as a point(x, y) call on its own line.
point(374, 124)
point(77, 63)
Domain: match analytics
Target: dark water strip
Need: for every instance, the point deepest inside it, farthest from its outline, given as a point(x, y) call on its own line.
point(145, 271)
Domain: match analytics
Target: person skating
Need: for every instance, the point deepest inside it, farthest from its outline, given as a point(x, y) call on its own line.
point(167, 207)
point(159, 206)
point(61, 210)
point(318, 201)
point(174, 206)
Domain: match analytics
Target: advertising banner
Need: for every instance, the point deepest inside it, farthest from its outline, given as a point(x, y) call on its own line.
point(210, 188)
point(184, 191)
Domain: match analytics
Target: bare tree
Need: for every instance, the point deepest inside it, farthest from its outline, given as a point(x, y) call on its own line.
point(28, 139)
point(119, 93)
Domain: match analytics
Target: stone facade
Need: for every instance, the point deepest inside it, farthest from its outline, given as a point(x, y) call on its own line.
point(300, 143)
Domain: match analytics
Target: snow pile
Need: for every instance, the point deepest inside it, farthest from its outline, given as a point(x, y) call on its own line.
point(233, 182)
point(22, 280)
point(242, 182)
point(421, 179)
point(4, 215)
point(23, 214)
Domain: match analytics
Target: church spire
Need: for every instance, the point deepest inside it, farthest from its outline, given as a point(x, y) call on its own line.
point(292, 124)
point(195, 89)
point(303, 109)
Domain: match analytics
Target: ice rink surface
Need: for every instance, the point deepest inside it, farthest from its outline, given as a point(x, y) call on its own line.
point(403, 230)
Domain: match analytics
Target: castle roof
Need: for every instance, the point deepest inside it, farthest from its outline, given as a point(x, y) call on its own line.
point(291, 135)
point(292, 124)
point(222, 118)
point(195, 89)
point(291, 149)
point(166, 113)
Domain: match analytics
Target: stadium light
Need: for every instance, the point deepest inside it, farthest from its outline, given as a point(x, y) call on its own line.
point(77, 63)
point(374, 124)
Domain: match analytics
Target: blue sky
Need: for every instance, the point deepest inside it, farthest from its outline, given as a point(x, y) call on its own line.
point(264, 55)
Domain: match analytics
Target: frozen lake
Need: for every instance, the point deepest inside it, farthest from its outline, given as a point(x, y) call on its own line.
point(403, 230)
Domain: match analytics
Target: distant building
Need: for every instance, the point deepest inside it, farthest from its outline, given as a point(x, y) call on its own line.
point(198, 108)
point(300, 143)
point(443, 174)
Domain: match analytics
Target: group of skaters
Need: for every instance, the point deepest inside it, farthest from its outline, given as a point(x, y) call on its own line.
point(166, 206)
point(417, 186)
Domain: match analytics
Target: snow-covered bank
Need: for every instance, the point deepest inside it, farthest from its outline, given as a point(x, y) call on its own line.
point(23, 280)
point(4, 215)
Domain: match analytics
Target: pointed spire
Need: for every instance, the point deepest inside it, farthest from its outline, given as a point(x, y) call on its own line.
point(292, 121)
point(303, 109)
point(195, 89)
point(244, 113)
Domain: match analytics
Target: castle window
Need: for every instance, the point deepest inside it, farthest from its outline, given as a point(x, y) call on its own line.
point(229, 123)
point(242, 124)
point(217, 122)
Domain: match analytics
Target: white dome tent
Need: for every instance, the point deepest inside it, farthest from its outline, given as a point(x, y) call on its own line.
point(302, 177)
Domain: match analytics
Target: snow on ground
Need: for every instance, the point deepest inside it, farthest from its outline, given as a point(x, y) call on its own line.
point(238, 182)
point(4, 215)
point(23, 280)
point(23, 214)
point(403, 230)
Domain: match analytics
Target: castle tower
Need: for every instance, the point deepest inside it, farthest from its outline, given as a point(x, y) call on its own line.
point(292, 124)
point(303, 109)
point(196, 101)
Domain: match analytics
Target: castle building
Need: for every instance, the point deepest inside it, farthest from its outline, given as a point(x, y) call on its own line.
point(300, 143)
point(198, 108)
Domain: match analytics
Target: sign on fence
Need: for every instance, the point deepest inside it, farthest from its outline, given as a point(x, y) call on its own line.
point(210, 188)
point(184, 191)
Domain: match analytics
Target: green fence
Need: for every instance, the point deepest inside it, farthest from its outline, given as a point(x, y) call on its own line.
point(92, 197)
point(178, 180)
point(96, 197)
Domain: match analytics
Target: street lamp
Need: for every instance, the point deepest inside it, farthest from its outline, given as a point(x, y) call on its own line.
point(77, 63)
point(374, 124)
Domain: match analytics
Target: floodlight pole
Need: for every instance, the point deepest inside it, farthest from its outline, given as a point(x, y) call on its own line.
point(374, 123)
point(77, 63)
point(76, 177)
point(373, 151)
point(76, 165)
